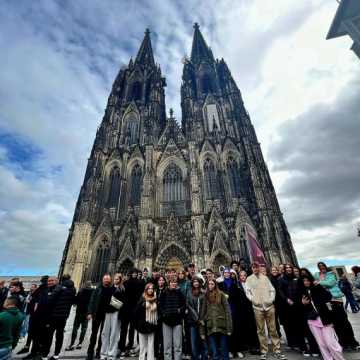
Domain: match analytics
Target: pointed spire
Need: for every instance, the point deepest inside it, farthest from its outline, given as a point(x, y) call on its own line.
point(200, 51)
point(145, 54)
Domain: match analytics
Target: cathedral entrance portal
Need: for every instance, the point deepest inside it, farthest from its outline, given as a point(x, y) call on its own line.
point(125, 266)
point(220, 259)
point(175, 264)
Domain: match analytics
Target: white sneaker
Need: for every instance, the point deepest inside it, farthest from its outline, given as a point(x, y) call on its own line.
point(240, 355)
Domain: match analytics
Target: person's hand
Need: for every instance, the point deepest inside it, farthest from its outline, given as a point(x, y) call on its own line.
point(229, 333)
point(316, 282)
point(202, 337)
point(89, 317)
point(305, 300)
point(290, 302)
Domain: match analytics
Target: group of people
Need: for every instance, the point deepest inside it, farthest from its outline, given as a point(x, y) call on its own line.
point(183, 314)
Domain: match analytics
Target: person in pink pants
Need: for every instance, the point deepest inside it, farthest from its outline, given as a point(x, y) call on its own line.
point(326, 338)
point(316, 302)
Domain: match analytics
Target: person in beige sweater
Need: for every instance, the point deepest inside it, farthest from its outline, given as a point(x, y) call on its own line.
point(261, 293)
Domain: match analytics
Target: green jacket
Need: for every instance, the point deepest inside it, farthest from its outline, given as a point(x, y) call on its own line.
point(10, 324)
point(215, 318)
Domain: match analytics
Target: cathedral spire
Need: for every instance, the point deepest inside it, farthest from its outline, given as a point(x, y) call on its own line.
point(200, 51)
point(145, 55)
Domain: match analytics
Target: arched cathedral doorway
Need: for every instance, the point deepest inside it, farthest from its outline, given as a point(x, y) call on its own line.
point(125, 266)
point(174, 263)
point(220, 259)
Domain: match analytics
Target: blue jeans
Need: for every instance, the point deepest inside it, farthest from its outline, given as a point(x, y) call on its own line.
point(198, 346)
point(5, 354)
point(353, 303)
point(25, 326)
point(218, 342)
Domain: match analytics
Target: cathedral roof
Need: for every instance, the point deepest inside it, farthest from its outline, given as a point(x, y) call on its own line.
point(200, 51)
point(145, 55)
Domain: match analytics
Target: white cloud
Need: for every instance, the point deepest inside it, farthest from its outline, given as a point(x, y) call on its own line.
point(57, 72)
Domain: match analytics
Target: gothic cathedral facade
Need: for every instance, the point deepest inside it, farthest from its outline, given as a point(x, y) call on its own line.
point(157, 194)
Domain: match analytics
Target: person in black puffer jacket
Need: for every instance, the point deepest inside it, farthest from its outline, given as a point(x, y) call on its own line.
point(82, 303)
point(172, 309)
point(38, 318)
point(61, 298)
point(133, 290)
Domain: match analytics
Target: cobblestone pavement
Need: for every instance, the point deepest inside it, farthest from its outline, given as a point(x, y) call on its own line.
point(81, 354)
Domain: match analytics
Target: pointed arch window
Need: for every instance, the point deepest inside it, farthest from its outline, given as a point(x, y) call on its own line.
point(233, 172)
point(136, 91)
point(114, 190)
point(173, 184)
point(210, 180)
point(135, 189)
point(132, 128)
point(207, 85)
point(212, 116)
point(102, 257)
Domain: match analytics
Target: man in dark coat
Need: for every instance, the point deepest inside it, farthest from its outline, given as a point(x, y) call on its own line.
point(82, 304)
point(16, 291)
point(38, 318)
point(61, 298)
point(99, 302)
point(133, 291)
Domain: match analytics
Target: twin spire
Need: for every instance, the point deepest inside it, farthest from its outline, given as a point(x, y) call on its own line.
point(199, 51)
point(145, 55)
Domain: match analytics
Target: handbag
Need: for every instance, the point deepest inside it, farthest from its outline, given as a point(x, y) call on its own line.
point(116, 303)
point(313, 313)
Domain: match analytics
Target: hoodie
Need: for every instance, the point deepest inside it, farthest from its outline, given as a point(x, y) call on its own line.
point(10, 324)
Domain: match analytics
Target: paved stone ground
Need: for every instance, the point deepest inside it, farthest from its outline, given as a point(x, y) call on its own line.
point(81, 354)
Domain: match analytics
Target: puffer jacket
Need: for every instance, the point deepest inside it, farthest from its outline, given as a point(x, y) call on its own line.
point(61, 299)
point(172, 307)
point(330, 283)
point(83, 299)
point(215, 318)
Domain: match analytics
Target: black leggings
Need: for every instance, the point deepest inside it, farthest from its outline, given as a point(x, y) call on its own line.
point(342, 326)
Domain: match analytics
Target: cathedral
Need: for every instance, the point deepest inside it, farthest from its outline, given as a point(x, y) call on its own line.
point(158, 194)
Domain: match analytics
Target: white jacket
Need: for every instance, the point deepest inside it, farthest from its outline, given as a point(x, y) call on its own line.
point(260, 291)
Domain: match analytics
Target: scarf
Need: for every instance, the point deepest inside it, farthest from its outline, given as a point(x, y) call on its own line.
point(150, 309)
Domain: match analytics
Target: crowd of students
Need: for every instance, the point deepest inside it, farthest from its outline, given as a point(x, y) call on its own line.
point(183, 314)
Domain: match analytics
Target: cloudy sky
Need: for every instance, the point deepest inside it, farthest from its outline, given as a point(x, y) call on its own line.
point(59, 58)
